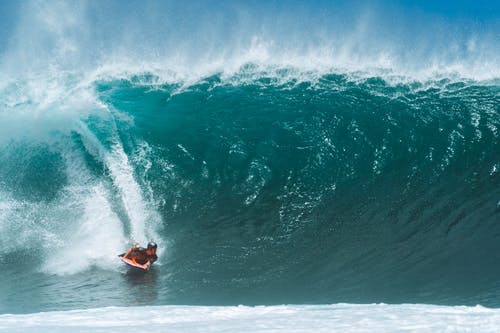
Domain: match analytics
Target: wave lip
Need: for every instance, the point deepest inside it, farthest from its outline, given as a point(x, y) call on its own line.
point(199, 39)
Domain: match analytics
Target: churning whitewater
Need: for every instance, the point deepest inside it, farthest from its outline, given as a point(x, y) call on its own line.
point(269, 165)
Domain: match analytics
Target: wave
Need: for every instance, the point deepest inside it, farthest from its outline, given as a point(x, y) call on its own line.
point(267, 173)
point(327, 186)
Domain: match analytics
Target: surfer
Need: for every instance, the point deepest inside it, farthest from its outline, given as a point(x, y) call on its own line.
point(144, 257)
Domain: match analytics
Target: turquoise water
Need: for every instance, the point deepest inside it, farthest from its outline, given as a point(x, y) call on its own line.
point(278, 153)
point(259, 190)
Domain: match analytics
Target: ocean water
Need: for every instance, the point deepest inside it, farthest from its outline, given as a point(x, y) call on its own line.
point(258, 189)
point(270, 171)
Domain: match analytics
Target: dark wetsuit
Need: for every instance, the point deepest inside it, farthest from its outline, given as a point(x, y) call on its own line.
point(140, 256)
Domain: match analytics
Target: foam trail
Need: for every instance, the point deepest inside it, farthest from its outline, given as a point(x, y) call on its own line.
point(93, 226)
point(116, 160)
point(96, 239)
point(133, 200)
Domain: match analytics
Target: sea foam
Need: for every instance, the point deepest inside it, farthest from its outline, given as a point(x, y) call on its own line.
point(283, 318)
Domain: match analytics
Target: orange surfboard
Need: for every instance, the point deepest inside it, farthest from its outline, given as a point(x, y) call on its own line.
point(133, 264)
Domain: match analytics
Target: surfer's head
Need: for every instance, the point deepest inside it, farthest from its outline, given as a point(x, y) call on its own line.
point(152, 247)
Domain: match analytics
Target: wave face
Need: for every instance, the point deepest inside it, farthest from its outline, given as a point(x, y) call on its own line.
point(264, 181)
point(263, 190)
point(325, 191)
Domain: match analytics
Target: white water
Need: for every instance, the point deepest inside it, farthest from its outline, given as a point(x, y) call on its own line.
point(185, 42)
point(41, 116)
point(285, 318)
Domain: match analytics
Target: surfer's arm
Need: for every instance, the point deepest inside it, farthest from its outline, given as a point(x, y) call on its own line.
point(151, 260)
point(128, 252)
point(146, 266)
point(134, 247)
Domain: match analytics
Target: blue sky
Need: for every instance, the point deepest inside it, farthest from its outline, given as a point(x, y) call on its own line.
point(487, 11)
point(477, 9)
